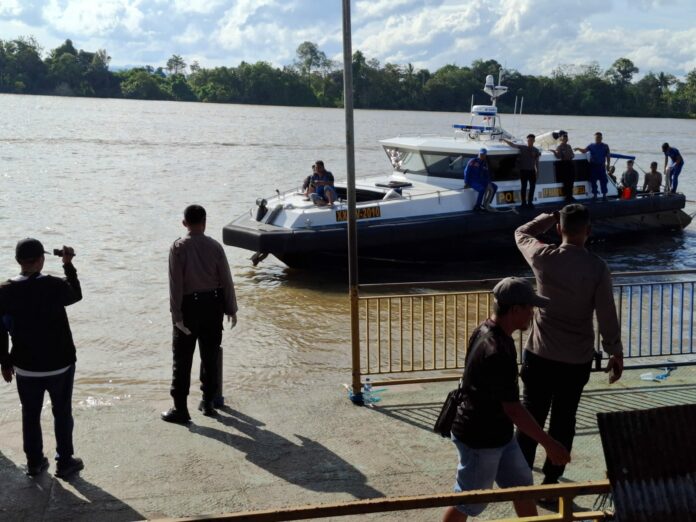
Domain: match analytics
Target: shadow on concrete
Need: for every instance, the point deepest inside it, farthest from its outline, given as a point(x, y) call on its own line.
point(604, 400)
point(47, 498)
point(421, 415)
point(308, 464)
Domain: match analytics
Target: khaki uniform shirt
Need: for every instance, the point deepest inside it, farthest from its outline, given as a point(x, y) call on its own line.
point(564, 152)
point(197, 263)
point(578, 284)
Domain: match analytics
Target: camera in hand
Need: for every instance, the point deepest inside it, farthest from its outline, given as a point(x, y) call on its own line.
point(59, 252)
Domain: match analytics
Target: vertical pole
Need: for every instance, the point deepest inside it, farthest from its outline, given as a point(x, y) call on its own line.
point(514, 110)
point(356, 395)
point(472, 103)
point(521, 104)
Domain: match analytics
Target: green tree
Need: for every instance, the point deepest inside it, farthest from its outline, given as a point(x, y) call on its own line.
point(141, 84)
point(176, 65)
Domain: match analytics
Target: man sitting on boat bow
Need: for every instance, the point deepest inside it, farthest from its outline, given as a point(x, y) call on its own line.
point(478, 177)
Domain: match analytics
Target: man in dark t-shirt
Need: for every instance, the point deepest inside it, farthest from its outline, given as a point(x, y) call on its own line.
point(483, 427)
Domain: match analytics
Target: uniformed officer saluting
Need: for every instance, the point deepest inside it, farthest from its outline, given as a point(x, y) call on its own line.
point(201, 292)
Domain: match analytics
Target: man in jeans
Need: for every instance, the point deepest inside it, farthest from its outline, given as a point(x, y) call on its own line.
point(558, 356)
point(483, 426)
point(32, 308)
point(528, 165)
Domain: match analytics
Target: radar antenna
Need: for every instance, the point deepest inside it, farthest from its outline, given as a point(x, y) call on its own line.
point(493, 90)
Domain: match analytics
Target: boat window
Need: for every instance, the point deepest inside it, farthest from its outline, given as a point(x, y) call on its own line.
point(582, 170)
point(444, 165)
point(503, 167)
point(405, 160)
point(547, 173)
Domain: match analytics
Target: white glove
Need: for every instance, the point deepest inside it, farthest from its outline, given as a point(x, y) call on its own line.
point(180, 326)
point(232, 319)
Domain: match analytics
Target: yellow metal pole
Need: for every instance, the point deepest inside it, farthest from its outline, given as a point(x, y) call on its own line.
point(356, 392)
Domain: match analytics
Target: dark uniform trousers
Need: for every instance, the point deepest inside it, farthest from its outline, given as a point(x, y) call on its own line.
point(566, 174)
point(203, 314)
point(555, 386)
point(527, 176)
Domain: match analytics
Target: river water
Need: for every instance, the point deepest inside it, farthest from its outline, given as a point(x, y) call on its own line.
point(112, 177)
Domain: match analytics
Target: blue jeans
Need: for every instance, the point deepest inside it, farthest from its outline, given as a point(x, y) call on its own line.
point(674, 176)
point(598, 172)
point(481, 189)
point(31, 395)
point(479, 468)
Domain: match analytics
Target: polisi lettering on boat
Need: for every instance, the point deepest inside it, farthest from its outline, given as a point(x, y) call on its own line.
point(361, 213)
point(507, 197)
point(557, 192)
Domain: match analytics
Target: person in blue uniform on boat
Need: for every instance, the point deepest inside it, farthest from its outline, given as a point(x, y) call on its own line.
point(600, 162)
point(323, 182)
point(478, 177)
point(672, 175)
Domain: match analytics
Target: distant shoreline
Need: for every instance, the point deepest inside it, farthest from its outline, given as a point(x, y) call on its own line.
point(315, 81)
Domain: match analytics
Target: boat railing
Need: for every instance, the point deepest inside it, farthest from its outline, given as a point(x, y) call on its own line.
point(418, 332)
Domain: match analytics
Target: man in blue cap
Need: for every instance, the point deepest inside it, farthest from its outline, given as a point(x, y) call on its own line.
point(32, 310)
point(478, 177)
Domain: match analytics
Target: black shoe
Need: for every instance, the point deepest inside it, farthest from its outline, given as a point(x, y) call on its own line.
point(207, 408)
point(548, 503)
point(530, 206)
point(477, 209)
point(69, 466)
point(176, 416)
point(218, 402)
point(38, 468)
point(604, 197)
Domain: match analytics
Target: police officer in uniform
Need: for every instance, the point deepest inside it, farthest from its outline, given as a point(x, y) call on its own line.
point(201, 292)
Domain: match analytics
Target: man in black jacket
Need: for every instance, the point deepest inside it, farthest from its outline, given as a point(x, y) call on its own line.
point(32, 311)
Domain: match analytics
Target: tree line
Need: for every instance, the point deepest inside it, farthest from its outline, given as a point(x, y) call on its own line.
point(316, 81)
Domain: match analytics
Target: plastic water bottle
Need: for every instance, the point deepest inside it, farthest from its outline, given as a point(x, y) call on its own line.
point(367, 391)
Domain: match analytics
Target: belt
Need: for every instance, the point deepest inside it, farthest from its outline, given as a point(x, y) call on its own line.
point(207, 294)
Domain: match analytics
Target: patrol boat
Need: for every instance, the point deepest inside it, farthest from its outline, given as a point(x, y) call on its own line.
point(422, 211)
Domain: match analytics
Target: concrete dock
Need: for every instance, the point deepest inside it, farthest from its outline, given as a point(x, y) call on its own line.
point(268, 449)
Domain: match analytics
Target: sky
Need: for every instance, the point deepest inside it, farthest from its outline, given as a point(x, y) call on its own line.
point(531, 36)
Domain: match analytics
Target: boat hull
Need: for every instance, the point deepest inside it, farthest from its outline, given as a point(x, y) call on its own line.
point(444, 237)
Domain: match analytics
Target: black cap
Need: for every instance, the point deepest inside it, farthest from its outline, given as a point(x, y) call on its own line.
point(517, 291)
point(29, 248)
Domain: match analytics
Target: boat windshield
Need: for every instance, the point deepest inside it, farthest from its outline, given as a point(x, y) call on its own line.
point(406, 160)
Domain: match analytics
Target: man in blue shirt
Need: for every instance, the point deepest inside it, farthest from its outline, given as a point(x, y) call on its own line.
point(599, 164)
point(672, 177)
point(478, 177)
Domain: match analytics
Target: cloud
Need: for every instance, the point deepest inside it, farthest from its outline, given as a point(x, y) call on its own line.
point(10, 8)
point(532, 36)
point(87, 17)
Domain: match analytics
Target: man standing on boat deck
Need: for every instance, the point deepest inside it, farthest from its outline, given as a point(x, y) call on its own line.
point(564, 153)
point(201, 292)
point(32, 311)
point(674, 171)
point(528, 165)
point(559, 352)
point(600, 161)
point(478, 177)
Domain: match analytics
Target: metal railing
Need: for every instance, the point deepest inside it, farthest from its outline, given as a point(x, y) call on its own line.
point(565, 493)
point(409, 333)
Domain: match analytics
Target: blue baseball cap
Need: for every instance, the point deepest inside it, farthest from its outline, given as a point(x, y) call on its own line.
point(482, 150)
